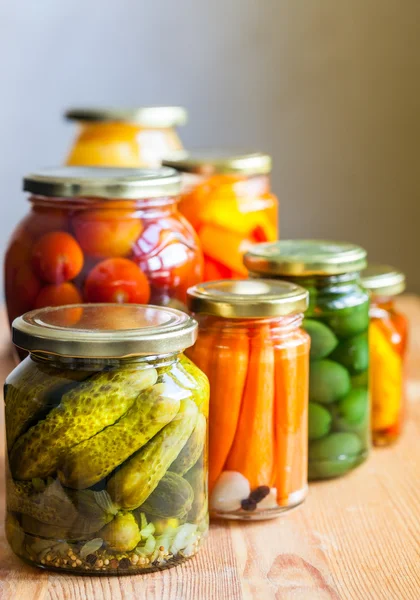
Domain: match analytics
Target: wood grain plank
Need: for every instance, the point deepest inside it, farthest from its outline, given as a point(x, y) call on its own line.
point(355, 538)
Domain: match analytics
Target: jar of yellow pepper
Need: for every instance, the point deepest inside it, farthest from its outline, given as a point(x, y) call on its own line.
point(256, 356)
point(387, 341)
point(228, 200)
point(116, 137)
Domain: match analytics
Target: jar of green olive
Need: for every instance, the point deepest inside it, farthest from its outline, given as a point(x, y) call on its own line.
point(106, 424)
point(337, 321)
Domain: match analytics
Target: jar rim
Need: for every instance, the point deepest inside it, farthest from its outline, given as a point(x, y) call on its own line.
point(104, 330)
point(383, 280)
point(103, 182)
point(217, 161)
point(146, 116)
point(304, 257)
point(247, 298)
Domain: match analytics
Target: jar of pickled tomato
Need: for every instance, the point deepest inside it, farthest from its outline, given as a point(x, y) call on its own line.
point(115, 137)
point(101, 235)
point(388, 342)
point(256, 356)
point(106, 425)
point(228, 200)
point(337, 321)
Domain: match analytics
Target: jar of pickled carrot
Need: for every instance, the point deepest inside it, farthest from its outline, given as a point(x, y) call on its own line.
point(337, 321)
point(115, 137)
point(101, 235)
point(256, 356)
point(388, 342)
point(227, 199)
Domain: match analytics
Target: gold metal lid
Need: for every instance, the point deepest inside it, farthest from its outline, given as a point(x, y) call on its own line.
point(304, 257)
point(247, 298)
point(103, 182)
point(209, 162)
point(146, 116)
point(104, 330)
point(382, 280)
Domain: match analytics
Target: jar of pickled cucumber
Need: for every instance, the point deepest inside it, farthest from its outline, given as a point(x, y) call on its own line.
point(228, 200)
point(337, 321)
point(106, 440)
point(116, 137)
point(388, 342)
point(101, 235)
point(256, 355)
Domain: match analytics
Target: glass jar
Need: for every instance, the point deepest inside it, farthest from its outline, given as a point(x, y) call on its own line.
point(101, 235)
point(337, 321)
point(115, 137)
point(388, 342)
point(227, 199)
point(256, 356)
point(106, 440)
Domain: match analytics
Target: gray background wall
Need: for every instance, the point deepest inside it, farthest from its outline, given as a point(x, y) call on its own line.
point(330, 88)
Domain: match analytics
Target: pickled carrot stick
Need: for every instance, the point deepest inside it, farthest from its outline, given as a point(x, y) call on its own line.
point(252, 452)
point(227, 380)
point(224, 246)
point(201, 352)
point(291, 415)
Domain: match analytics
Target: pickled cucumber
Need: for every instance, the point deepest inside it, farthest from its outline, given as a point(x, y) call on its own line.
point(173, 497)
point(31, 390)
point(192, 450)
point(334, 455)
point(82, 412)
point(198, 481)
point(190, 378)
point(133, 483)
point(352, 412)
point(349, 321)
point(320, 421)
point(92, 460)
point(328, 381)
point(353, 353)
point(122, 534)
point(323, 340)
point(361, 380)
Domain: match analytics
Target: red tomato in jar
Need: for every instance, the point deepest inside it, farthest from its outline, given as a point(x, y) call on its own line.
point(117, 280)
point(57, 257)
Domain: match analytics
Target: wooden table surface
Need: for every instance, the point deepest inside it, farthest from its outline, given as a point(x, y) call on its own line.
point(354, 538)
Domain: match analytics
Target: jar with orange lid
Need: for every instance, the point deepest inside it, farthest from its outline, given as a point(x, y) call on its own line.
point(228, 199)
point(256, 356)
point(116, 137)
point(387, 343)
point(101, 235)
point(106, 418)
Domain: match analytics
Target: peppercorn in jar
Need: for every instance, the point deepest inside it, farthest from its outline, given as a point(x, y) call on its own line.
point(116, 137)
point(388, 343)
point(256, 356)
point(106, 440)
point(228, 200)
point(337, 321)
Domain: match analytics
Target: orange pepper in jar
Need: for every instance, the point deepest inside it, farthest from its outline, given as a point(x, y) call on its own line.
point(227, 199)
point(256, 356)
point(387, 344)
point(115, 137)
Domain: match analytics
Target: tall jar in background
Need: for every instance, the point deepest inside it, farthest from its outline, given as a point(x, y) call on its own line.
point(388, 343)
point(101, 235)
point(106, 440)
point(337, 321)
point(256, 356)
point(116, 137)
point(227, 198)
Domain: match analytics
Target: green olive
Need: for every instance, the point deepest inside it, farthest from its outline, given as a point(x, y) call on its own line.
point(323, 340)
point(319, 421)
point(352, 412)
point(328, 381)
point(334, 455)
point(349, 321)
point(353, 353)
